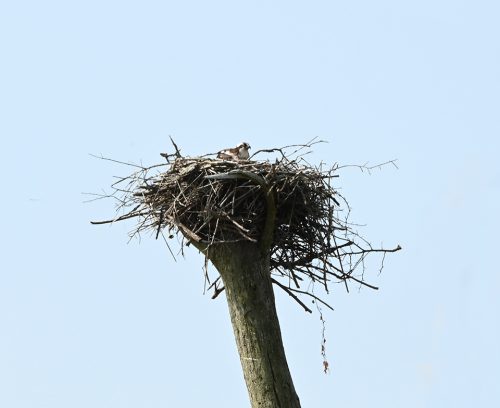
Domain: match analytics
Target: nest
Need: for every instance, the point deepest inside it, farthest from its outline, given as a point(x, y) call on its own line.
point(288, 203)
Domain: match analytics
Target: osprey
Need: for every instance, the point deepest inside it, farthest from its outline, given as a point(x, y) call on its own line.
point(239, 152)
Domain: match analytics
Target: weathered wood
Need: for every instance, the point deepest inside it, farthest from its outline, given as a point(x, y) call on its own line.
point(250, 299)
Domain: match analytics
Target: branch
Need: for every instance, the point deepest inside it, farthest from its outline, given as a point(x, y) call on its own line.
point(290, 292)
point(365, 166)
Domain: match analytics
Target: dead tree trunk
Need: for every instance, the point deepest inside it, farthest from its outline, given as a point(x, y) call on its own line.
point(237, 214)
point(250, 297)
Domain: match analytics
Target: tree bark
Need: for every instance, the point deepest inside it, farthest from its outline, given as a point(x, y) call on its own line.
point(250, 297)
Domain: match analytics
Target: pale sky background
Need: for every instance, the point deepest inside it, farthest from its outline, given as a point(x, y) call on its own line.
point(89, 320)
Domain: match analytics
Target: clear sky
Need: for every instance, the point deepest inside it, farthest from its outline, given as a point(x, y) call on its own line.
point(90, 320)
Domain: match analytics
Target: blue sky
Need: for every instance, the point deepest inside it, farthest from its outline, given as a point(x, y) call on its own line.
point(88, 319)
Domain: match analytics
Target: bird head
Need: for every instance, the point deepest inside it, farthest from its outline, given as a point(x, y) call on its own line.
point(244, 145)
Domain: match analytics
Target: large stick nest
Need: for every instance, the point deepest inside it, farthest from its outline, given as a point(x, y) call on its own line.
point(287, 205)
